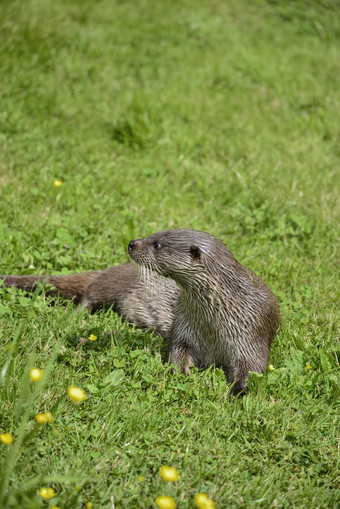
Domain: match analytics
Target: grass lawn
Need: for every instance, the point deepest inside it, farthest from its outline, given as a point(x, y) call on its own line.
point(209, 114)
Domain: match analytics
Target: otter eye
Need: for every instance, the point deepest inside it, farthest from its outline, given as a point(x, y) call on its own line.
point(156, 245)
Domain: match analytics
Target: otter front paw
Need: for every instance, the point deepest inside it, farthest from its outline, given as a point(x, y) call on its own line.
point(182, 361)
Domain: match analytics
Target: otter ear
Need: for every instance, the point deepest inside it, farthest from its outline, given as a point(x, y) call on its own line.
point(195, 252)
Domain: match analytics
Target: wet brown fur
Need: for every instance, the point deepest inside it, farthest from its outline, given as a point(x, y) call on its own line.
point(225, 315)
point(189, 288)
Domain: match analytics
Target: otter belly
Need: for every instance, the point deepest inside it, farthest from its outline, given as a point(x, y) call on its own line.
point(215, 349)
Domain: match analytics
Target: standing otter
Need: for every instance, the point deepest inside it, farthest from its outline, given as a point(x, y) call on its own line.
point(225, 313)
point(189, 288)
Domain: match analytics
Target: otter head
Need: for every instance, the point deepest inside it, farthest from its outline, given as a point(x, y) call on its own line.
point(178, 254)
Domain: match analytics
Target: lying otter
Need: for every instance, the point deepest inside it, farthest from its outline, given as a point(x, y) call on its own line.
point(191, 290)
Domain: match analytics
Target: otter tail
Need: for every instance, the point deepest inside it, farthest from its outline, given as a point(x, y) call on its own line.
point(66, 286)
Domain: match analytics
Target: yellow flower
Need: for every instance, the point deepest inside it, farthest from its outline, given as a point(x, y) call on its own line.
point(141, 478)
point(202, 501)
point(92, 337)
point(169, 474)
point(43, 418)
point(49, 417)
point(47, 493)
point(166, 502)
point(58, 183)
point(36, 374)
point(76, 394)
point(271, 367)
point(308, 366)
point(55, 507)
point(88, 505)
point(6, 438)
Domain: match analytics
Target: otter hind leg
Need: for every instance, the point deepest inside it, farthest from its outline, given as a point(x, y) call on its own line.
point(239, 372)
point(239, 388)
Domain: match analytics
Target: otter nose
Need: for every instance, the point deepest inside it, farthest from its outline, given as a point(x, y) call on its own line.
point(132, 244)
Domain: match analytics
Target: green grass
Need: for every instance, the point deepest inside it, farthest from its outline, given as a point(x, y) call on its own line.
point(220, 116)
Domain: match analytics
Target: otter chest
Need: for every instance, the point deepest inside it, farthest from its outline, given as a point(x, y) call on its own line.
point(212, 328)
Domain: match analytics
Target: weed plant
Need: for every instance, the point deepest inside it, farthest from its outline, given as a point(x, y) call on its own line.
point(122, 118)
